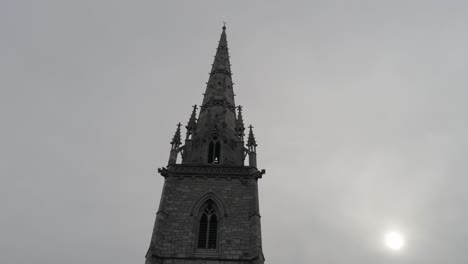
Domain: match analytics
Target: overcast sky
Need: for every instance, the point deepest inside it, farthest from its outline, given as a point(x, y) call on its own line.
point(359, 109)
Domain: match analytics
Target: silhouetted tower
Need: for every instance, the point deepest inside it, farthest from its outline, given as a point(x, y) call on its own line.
point(209, 210)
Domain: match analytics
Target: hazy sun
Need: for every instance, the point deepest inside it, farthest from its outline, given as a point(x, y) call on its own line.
point(394, 240)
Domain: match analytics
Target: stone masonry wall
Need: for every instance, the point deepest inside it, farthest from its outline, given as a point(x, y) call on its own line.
point(175, 234)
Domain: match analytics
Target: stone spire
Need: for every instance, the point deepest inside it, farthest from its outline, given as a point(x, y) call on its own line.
point(192, 123)
point(215, 136)
point(209, 207)
point(219, 85)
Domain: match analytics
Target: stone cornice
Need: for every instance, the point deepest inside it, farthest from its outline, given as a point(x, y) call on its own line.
point(216, 258)
point(210, 171)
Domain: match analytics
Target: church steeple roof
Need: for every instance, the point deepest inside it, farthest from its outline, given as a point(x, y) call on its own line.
point(219, 84)
point(217, 136)
point(222, 53)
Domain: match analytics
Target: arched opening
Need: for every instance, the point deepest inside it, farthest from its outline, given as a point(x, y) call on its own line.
point(214, 151)
point(208, 227)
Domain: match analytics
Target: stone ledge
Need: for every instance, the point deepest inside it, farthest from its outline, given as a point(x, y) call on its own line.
point(210, 171)
point(221, 259)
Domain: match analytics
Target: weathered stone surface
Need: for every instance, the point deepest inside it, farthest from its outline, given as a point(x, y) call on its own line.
point(236, 197)
point(212, 190)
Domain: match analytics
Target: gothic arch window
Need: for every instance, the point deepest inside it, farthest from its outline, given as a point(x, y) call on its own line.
point(214, 150)
point(208, 227)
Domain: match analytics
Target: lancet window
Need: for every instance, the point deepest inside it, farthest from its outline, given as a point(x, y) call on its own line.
point(214, 150)
point(208, 228)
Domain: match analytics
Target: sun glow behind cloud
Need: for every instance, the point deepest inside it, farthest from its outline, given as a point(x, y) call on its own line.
point(394, 240)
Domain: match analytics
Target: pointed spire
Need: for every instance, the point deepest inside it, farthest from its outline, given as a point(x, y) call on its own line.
point(221, 62)
point(176, 140)
point(240, 123)
point(219, 84)
point(217, 120)
point(251, 143)
point(192, 123)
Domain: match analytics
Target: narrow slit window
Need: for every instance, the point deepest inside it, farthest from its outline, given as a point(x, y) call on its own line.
point(211, 152)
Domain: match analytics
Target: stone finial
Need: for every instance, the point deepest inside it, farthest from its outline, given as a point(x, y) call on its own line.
point(192, 123)
point(176, 140)
point(251, 143)
point(240, 123)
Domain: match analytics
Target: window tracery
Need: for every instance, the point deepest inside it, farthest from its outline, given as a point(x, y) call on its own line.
point(208, 227)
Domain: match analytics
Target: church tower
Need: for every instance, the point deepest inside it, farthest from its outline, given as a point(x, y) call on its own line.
point(209, 209)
